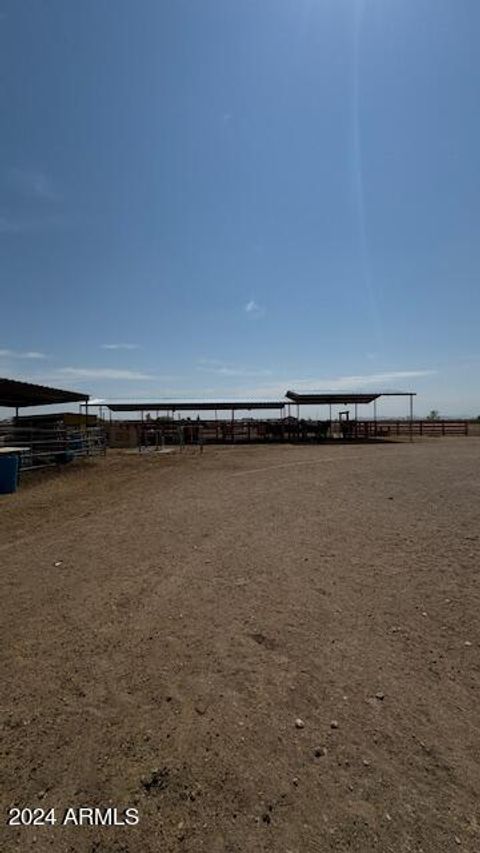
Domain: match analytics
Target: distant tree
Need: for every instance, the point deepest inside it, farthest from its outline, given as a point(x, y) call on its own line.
point(433, 415)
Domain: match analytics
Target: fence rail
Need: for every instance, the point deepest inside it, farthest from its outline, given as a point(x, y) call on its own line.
point(225, 431)
point(41, 447)
point(424, 427)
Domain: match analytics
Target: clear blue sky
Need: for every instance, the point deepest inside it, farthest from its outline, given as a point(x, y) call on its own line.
point(230, 197)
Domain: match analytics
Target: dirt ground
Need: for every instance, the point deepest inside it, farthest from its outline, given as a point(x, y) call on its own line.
point(201, 605)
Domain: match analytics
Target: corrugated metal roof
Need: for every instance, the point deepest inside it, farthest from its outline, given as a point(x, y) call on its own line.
point(15, 394)
point(342, 397)
point(190, 405)
point(333, 397)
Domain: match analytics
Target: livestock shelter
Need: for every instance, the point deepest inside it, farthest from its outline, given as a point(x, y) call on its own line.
point(351, 427)
point(158, 424)
point(43, 440)
point(169, 421)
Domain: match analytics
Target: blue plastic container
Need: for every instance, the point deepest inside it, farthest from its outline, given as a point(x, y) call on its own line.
point(8, 474)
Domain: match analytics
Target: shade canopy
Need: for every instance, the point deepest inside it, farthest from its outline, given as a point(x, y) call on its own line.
point(334, 397)
point(193, 405)
point(15, 394)
point(341, 397)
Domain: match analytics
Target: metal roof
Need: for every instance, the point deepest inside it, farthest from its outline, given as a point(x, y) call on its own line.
point(15, 394)
point(191, 405)
point(341, 397)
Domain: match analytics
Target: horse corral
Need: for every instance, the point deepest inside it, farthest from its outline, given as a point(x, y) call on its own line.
point(260, 648)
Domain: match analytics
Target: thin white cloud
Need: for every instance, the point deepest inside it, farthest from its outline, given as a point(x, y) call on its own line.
point(120, 346)
point(220, 368)
point(27, 225)
point(100, 373)
point(253, 309)
point(379, 381)
point(32, 183)
point(10, 226)
point(341, 383)
point(10, 353)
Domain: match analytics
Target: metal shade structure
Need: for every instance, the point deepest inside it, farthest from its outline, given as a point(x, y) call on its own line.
point(277, 428)
point(345, 398)
point(326, 398)
point(17, 395)
point(191, 405)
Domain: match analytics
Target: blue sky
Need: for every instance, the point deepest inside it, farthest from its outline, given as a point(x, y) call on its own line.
point(232, 198)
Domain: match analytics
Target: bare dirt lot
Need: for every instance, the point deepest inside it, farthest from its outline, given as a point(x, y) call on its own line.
point(201, 604)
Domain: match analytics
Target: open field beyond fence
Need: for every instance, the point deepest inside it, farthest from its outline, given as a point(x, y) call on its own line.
point(168, 617)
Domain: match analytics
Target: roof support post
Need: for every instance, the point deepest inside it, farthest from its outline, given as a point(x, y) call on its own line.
point(86, 426)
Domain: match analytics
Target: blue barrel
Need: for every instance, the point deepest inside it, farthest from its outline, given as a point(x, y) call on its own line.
point(8, 474)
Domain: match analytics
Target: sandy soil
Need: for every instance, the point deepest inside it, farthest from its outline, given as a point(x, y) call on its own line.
point(205, 602)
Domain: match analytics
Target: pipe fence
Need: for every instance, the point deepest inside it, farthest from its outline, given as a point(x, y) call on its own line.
point(39, 447)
